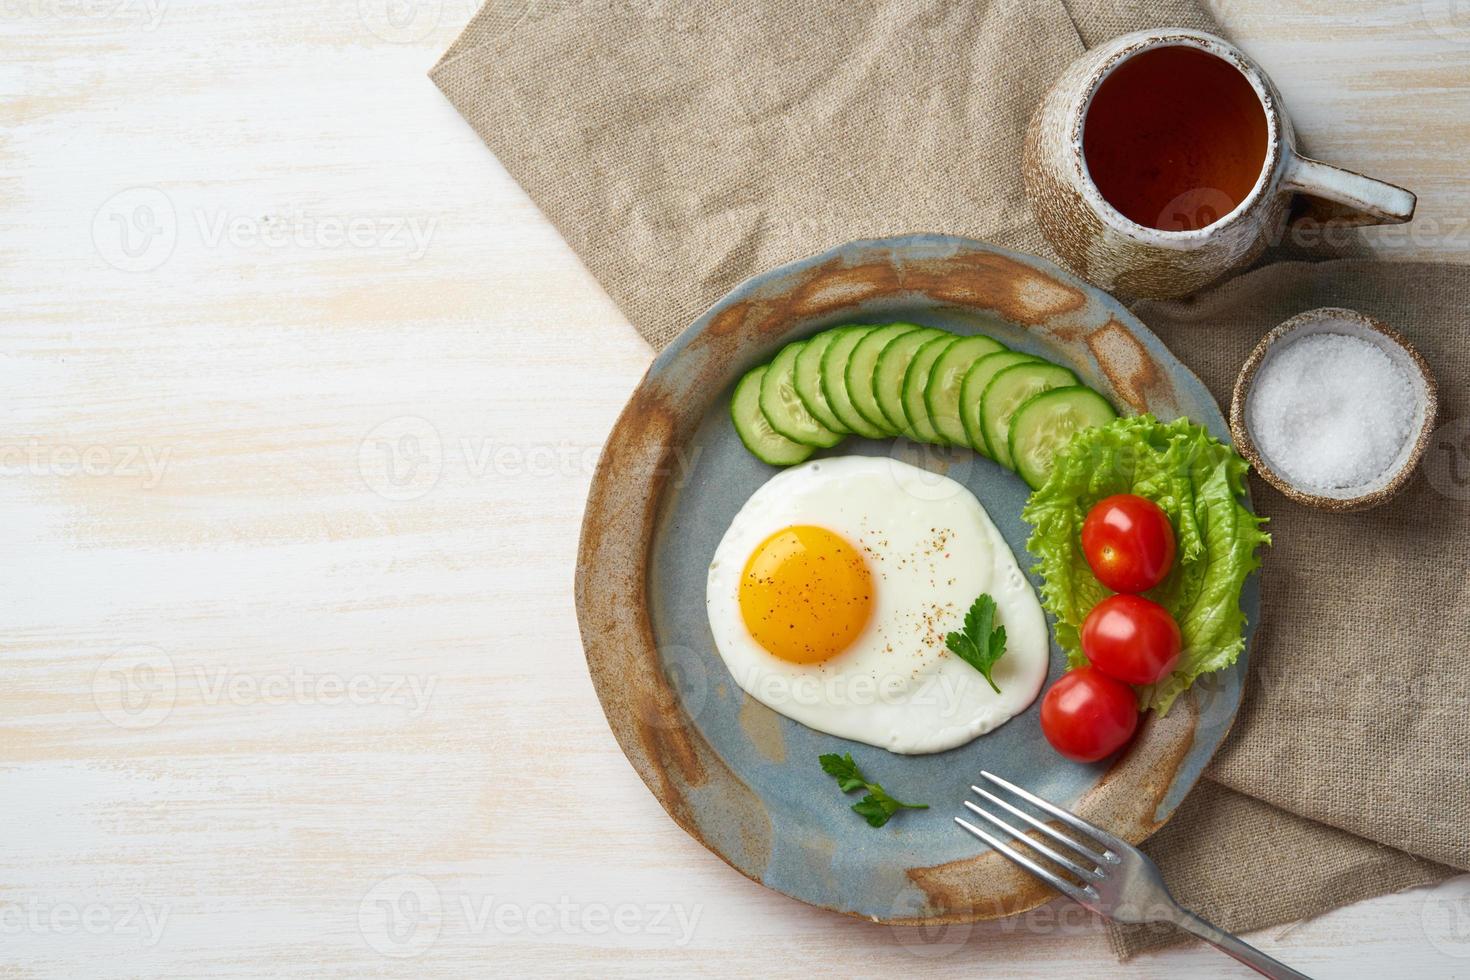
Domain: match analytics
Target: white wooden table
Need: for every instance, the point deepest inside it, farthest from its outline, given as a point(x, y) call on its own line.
point(300, 399)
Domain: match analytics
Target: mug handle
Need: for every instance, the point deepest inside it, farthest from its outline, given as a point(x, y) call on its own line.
point(1375, 202)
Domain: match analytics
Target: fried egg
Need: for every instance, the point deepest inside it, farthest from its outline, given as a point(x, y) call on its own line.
point(834, 587)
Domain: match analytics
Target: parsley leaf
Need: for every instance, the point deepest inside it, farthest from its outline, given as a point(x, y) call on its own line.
point(844, 770)
point(978, 644)
point(878, 805)
point(872, 810)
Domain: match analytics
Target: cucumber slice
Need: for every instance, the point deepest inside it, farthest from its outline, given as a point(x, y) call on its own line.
point(1044, 425)
point(834, 381)
point(916, 382)
point(808, 380)
point(972, 389)
point(783, 408)
point(861, 368)
point(942, 395)
point(764, 443)
point(1008, 391)
point(892, 370)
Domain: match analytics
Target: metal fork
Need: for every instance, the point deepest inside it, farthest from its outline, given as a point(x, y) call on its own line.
point(1105, 873)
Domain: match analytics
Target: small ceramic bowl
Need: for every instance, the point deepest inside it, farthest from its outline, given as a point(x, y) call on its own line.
point(1350, 322)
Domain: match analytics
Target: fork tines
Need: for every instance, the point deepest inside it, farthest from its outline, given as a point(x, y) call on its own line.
point(1080, 864)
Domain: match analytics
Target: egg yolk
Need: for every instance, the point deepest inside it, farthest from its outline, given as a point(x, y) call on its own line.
point(805, 594)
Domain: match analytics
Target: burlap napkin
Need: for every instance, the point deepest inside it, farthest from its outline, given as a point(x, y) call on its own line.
point(683, 145)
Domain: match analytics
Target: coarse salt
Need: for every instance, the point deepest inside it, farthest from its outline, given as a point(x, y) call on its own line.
point(1331, 411)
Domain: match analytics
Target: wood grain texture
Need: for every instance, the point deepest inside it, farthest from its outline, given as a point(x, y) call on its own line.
point(300, 400)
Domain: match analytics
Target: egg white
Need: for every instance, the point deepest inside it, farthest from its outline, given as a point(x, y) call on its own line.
point(931, 550)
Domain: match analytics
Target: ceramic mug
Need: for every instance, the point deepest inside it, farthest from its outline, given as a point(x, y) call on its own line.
point(1204, 233)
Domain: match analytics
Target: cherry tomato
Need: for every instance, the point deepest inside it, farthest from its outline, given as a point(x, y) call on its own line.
point(1131, 638)
point(1088, 715)
point(1129, 543)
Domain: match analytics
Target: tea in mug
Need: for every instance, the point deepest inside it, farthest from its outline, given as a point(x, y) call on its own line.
point(1175, 138)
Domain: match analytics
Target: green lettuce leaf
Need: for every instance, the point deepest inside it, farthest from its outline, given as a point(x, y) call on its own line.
point(1200, 484)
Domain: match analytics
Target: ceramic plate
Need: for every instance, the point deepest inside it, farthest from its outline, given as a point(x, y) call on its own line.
point(745, 781)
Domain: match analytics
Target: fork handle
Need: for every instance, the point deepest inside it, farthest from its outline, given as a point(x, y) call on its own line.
point(1239, 949)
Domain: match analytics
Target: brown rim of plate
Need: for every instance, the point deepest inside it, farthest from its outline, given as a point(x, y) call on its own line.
point(1247, 446)
point(649, 716)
